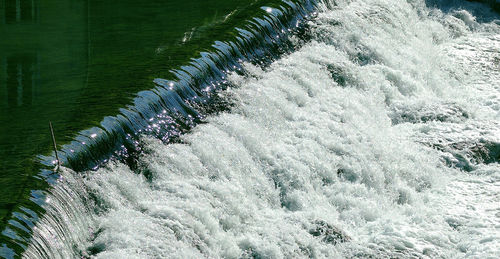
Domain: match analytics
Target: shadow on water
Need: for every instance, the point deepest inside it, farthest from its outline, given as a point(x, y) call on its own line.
point(484, 10)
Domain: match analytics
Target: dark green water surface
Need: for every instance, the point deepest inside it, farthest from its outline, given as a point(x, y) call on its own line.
point(73, 62)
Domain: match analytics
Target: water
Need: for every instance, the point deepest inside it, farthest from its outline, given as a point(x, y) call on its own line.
point(376, 136)
point(74, 62)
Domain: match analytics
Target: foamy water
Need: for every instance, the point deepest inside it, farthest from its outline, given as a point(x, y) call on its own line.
point(380, 137)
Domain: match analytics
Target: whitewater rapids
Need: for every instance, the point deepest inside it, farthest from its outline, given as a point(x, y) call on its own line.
point(379, 137)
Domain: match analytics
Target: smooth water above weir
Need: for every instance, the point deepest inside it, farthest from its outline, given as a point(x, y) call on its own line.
point(74, 62)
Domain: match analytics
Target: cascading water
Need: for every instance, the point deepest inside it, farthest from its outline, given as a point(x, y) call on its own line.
point(376, 135)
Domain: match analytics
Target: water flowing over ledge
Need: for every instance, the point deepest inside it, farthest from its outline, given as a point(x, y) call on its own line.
point(165, 112)
point(375, 136)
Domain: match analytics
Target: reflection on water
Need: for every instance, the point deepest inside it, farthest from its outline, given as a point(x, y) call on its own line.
point(20, 11)
point(20, 81)
point(42, 68)
point(73, 62)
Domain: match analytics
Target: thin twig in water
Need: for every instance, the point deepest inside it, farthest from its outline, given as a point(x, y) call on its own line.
point(55, 145)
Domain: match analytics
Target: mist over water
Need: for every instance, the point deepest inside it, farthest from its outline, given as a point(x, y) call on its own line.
point(378, 137)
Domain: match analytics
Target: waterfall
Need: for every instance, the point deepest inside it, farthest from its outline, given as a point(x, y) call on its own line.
point(325, 129)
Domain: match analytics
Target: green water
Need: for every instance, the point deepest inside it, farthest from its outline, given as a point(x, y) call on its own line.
point(73, 62)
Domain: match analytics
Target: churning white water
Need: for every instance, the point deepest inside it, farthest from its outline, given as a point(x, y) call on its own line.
point(380, 137)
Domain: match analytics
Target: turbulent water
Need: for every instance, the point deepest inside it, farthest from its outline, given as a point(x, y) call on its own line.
point(378, 137)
